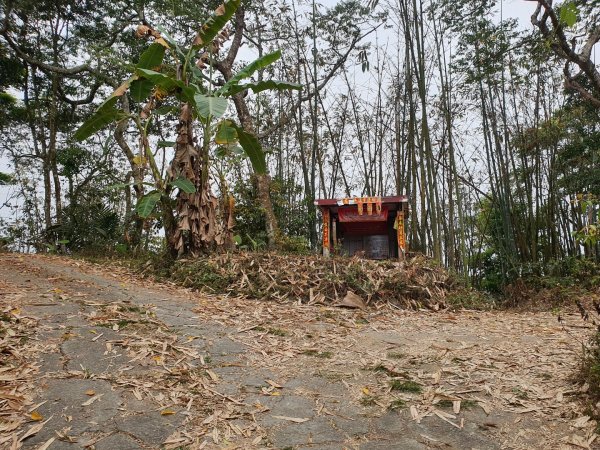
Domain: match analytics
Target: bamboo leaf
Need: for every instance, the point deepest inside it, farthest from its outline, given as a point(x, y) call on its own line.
point(147, 203)
point(215, 23)
point(210, 106)
point(184, 184)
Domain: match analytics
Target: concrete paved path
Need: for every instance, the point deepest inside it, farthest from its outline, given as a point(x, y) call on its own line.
point(125, 364)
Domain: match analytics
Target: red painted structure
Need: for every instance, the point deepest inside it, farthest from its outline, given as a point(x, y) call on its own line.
point(370, 225)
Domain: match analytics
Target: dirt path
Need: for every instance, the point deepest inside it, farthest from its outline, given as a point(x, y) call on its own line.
point(96, 358)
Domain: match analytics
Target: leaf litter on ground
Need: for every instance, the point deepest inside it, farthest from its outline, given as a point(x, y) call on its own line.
point(516, 365)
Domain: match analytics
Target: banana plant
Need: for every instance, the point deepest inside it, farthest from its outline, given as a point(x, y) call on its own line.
point(166, 70)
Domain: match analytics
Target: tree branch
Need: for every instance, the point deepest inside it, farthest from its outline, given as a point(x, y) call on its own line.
point(339, 63)
point(559, 42)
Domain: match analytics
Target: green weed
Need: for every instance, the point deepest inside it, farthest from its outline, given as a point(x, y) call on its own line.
point(406, 386)
point(317, 354)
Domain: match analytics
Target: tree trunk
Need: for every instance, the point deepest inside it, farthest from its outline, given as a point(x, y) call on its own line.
point(264, 181)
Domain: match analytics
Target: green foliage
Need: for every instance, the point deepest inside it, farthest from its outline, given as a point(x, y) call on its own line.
point(570, 271)
point(250, 218)
point(470, 299)
point(406, 386)
point(484, 62)
point(250, 69)
point(140, 89)
point(589, 373)
point(152, 57)
point(579, 148)
point(169, 84)
point(184, 184)
point(197, 274)
point(567, 13)
point(87, 226)
point(588, 235)
point(226, 133)
point(253, 150)
point(73, 160)
point(261, 86)
point(147, 203)
point(6, 178)
point(396, 404)
point(7, 100)
point(358, 280)
point(491, 271)
point(104, 115)
point(296, 245)
point(189, 87)
point(210, 106)
point(216, 22)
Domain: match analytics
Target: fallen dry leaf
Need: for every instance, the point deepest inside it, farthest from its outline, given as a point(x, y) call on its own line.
point(46, 444)
point(91, 400)
point(292, 419)
point(351, 300)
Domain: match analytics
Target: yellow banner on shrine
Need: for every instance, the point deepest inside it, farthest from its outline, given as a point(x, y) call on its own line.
point(326, 220)
point(399, 226)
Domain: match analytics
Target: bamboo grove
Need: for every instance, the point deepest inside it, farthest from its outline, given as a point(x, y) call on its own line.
point(489, 123)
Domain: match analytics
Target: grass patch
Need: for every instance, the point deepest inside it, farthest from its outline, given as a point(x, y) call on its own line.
point(317, 354)
point(464, 404)
point(277, 332)
point(389, 371)
point(470, 299)
point(397, 404)
point(380, 368)
point(406, 386)
point(368, 400)
point(468, 404)
point(520, 394)
point(589, 374)
point(332, 376)
point(135, 309)
point(124, 322)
